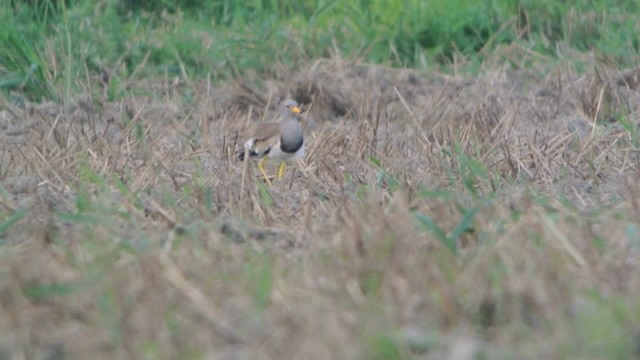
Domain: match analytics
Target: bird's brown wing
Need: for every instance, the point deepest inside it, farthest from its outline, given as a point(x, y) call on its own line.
point(264, 135)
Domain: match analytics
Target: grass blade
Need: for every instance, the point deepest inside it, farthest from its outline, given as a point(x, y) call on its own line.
point(464, 225)
point(266, 198)
point(448, 242)
point(12, 219)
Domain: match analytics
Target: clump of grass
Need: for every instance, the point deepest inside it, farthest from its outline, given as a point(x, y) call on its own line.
point(23, 71)
point(227, 39)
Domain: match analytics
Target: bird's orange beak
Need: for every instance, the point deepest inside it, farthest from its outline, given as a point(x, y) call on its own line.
point(296, 110)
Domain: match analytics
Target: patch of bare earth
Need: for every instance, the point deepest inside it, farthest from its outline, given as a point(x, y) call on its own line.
point(138, 234)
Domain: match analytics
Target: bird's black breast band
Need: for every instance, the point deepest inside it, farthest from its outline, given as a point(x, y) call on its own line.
point(291, 148)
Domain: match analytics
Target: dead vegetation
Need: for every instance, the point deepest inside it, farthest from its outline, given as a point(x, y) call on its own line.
point(434, 216)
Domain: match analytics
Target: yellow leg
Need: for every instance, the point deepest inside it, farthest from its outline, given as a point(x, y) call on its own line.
point(264, 173)
point(281, 170)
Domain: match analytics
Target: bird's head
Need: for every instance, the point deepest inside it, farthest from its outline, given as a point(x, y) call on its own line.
point(290, 108)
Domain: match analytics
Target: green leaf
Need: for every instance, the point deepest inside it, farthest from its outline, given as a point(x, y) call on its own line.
point(264, 194)
point(13, 218)
point(375, 161)
point(208, 199)
point(39, 292)
point(385, 346)
point(464, 225)
point(448, 242)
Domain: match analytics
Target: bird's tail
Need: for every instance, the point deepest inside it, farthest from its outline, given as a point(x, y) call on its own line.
point(240, 154)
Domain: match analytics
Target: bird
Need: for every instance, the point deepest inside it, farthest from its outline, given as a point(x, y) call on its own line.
point(279, 140)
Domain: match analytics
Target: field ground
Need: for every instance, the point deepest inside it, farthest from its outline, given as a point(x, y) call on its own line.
point(488, 216)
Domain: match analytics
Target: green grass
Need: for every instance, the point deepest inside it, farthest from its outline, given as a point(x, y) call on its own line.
point(226, 38)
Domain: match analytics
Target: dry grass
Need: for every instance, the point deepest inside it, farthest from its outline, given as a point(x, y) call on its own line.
point(435, 216)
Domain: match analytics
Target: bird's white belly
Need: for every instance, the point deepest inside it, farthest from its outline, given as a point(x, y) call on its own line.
point(277, 153)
